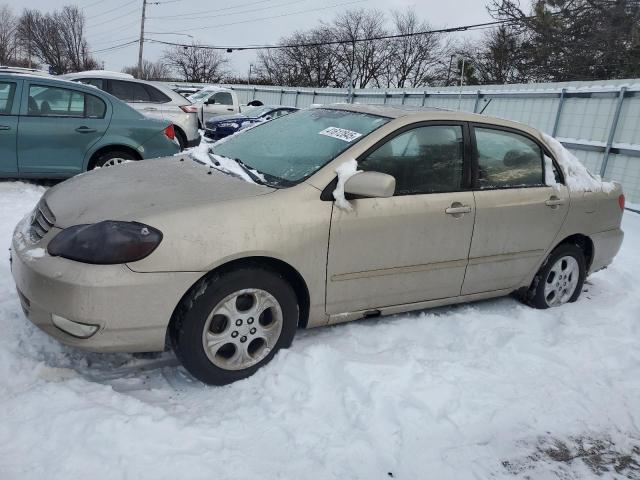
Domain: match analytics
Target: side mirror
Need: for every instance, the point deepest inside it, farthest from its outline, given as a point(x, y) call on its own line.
point(371, 185)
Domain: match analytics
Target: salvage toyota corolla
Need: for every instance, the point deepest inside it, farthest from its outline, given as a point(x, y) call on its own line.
point(322, 216)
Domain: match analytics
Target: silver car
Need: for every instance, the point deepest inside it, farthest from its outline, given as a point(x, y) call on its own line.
point(152, 99)
point(224, 266)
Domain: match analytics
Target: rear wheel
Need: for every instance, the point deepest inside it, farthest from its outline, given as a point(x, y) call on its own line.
point(112, 158)
point(233, 323)
point(560, 279)
point(182, 139)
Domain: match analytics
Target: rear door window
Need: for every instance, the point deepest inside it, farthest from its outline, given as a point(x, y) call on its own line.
point(507, 160)
point(7, 92)
point(45, 101)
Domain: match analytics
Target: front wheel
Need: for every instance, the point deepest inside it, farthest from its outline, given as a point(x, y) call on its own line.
point(233, 323)
point(560, 279)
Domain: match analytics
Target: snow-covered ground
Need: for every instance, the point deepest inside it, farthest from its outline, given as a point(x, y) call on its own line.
point(487, 390)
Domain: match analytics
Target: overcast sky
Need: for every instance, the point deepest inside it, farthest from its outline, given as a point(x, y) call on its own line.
point(241, 22)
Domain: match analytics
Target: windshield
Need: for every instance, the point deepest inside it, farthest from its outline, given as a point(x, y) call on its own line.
point(292, 148)
point(201, 94)
point(255, 112)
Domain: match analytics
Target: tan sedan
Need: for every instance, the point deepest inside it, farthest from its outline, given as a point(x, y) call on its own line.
point(446, 207)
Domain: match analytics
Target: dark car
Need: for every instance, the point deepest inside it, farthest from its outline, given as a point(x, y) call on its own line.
point(224, 125)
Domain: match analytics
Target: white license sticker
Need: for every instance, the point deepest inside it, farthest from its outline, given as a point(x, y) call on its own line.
point(340, 134)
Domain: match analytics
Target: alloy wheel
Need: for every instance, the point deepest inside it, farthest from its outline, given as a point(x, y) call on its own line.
point(561, 281)
point(242, 329)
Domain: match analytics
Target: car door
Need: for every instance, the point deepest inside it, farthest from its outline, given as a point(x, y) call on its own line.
point(413, 246)
point(58, 126)
point(517, 215)
point(219, 103)
point(9, 107)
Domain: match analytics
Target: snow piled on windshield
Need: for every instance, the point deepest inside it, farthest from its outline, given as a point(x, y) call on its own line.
point(577, 177)
point(202, 153)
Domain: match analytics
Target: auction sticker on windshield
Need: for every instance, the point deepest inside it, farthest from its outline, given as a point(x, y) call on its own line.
point(340, 134)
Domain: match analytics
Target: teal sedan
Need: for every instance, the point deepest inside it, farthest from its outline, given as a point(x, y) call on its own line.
point(51, 128)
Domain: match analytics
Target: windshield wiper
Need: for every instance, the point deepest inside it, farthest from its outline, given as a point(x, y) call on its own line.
point(248, 171)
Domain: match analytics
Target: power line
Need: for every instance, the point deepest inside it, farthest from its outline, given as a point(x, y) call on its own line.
point(242, 11)
point(273, 16)
point(114, 18)
point(112, 10)
point(210, 11)
point(114, 47)
point(92, 4)
point(462, 28)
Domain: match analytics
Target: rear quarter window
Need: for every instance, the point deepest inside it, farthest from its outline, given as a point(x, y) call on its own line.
point(156, 95)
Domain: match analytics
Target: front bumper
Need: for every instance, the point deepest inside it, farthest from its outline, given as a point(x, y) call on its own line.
point(132, 310)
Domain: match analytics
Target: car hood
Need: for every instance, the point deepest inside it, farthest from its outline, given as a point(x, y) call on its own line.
point(134, 190)
point(226, 118)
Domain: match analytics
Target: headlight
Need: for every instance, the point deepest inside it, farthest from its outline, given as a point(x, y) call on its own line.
point(228, 125)
point(106, 243)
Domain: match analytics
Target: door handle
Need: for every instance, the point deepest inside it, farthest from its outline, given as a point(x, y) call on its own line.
point(150, 109)
point(85, 130)
point(5, 127)
point(230, 109)
point(554, 202)
point(458, 209)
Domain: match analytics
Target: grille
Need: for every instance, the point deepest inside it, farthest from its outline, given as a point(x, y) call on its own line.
point(42, 220)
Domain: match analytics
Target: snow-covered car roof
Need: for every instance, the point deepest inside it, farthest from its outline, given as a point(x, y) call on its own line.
point(102, 73)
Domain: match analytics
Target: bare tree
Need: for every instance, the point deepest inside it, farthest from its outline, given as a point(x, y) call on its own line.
point(312, 65)
point(8, 44)
point(361, 62)
point(150, 71)
point(57, 39)
point(413, 59)
point(194, 64)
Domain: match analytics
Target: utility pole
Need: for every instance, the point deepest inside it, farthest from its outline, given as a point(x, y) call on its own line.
point(144, 8)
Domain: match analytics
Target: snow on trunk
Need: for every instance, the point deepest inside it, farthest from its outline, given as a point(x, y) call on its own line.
point(577, 177)
point(345, 171)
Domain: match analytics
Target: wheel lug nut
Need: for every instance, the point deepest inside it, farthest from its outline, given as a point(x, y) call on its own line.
point(238, 322)
point(250, 320)
point(234, 334)
point(243, 339)
point(253, 330)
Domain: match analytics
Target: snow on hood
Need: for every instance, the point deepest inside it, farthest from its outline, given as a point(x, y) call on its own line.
point(577, 177)
point(135, 190)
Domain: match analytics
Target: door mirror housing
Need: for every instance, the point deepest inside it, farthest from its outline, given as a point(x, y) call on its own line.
point(371, 185)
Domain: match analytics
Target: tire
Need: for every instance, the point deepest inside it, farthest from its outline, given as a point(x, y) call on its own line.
point(182, 139)
point(241, 341)
point(112, 157)
point(560, 278)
